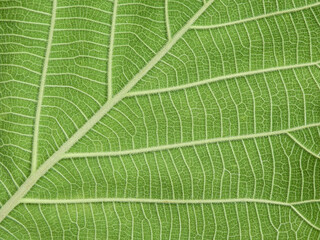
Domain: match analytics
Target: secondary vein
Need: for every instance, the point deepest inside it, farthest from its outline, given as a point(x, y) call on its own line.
point(256, 17)
point(150, 200)
point(167, 20)
point(113, 26)
point(192, 143)
point(220, 78)
point(41, 90)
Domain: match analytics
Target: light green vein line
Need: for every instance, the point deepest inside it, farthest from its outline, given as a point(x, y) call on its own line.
point(146, 200)
point(256, 17)
point(41, 90)
point(186, 144)
point(304, 218)
point(51, 161)
point(303, 147)
point(168, 201)
point(113, 27)
point(25, 9)
point(306, 201)
point(216, 79)
point(167, 19)
point(175, 201)
point(24, 22)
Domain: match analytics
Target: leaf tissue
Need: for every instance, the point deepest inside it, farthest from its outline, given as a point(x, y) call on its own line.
point(167, 119)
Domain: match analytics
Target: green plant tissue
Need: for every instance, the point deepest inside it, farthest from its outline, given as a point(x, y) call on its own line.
point(159, 119)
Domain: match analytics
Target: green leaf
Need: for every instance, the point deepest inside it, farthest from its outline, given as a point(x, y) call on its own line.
point(140, 119)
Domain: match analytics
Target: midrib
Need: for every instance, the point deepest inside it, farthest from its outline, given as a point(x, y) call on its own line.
point(34, 177)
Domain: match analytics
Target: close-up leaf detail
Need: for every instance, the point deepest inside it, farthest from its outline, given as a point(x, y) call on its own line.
point(159, 119)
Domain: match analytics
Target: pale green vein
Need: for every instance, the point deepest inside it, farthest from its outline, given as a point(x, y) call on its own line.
point(24, 22)
point(41, 90)
point(169, 201)
point(256, 17)
point(304, 218)
point(33, 178)
point(167, 19)
point(225, 77)
point(300, 144)
point(306, 201)
point(173, 201)
point(187, 144)
point(113, 27)
point(26, 9)
point(147, 200)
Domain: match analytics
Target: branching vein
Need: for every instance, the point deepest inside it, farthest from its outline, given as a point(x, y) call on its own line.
point(27, 185)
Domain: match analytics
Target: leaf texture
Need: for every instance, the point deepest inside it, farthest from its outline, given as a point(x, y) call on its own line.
point(160, 119)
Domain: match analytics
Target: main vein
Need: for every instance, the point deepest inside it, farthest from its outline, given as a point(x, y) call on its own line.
point(34, 177)
point(41, 90)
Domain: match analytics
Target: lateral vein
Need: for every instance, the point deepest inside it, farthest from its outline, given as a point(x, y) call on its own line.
point(167, 20)
point(173, 201)
point(219, 78)
point(113, 26)
point(256, 17)
point(303, 147)
point(169, 201)
point(304, 218)
point(146, 200)
point(176, 201)
point(186, 144)
point(41, 90)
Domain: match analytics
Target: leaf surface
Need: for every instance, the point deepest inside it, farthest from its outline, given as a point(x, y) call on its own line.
point(160, 119)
